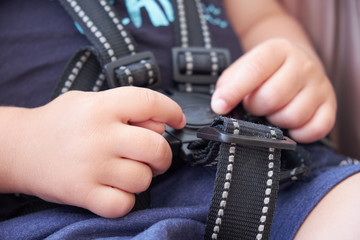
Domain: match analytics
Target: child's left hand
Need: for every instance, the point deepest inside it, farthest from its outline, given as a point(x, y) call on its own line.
point(283, 82)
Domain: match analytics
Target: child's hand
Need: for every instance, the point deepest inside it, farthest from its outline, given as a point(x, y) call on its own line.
point(283, 82)
point(94, 150)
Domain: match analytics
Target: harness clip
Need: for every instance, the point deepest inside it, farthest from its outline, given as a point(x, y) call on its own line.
point(139, 69)
point(199, 65)
point(213, 134)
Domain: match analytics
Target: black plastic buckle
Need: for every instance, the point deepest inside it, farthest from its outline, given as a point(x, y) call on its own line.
point(196, 108)
point(211, 133)
point(126, 61)
point(197, 78)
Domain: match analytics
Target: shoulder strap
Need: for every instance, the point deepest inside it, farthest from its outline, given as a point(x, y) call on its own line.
point(114, 56)
point(247, 177)
point(196, 62)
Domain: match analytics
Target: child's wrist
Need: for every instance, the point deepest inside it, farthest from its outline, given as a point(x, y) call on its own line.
point(12, 124)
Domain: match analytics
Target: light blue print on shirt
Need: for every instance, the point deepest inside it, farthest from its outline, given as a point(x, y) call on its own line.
point(161, 12)
point(211, 15)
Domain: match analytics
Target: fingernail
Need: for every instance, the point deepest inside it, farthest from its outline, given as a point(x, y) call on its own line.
point(183, 120)
point(219, 106)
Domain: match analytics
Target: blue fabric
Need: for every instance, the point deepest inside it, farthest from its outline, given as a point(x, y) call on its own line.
point(180, 205)
point(297, 200)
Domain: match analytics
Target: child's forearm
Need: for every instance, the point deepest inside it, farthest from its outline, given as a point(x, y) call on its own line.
point(10, 137)
point(254, 26)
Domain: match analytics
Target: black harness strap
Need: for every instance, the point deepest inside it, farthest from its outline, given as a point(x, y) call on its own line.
point(196, 63)
point(247, 178)
point(102, 27)
point(83, 66)
point(114, 56)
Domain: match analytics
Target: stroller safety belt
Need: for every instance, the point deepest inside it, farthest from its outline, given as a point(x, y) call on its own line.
point(196, 62)
point(247, 177)
point(247, 155)
point(114, 56)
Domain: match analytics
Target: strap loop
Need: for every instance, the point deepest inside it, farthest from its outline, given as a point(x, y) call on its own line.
point(138, 69)
point(199, 65)
point(211, 133)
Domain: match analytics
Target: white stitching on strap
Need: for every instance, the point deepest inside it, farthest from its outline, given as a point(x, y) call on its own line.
point(128, 74)
point(227, 183)
point(90, 24)
point(118, 25)
point(204, 27)
point(207, 40)
point(269, 184)
point(184, 37)
point(150, 71)
point(74, 72)
point(99, 82)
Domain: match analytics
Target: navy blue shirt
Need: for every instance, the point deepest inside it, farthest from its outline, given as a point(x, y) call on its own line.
point(38, 38)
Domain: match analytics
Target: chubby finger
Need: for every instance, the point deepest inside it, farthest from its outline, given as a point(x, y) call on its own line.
point(318, 126)
point(305, 104)
point(128, 175)
point(109, 202)
point(134, 104)
point(274, 93)
point(151, 125)
point(299, 110)
point(142, 145)
point(247, 74)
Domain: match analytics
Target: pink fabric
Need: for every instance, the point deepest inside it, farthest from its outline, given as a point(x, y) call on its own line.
point(334, 28)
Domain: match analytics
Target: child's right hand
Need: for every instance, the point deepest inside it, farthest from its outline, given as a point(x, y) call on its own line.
point(284, 82)
point(92, 150)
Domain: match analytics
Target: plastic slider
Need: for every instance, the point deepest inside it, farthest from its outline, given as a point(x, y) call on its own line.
point(213, 134)
point(200, 56)
point(127, 61)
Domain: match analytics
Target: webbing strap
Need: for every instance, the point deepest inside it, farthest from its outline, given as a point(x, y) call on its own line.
point(190, 28)
point(113, 57)
point(196, 63)
point(246, 185)
point(102, 27)
point(83, 72)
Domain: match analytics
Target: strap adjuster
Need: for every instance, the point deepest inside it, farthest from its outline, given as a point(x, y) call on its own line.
point(201, 61)
point(139, 69)
point(211, 133)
